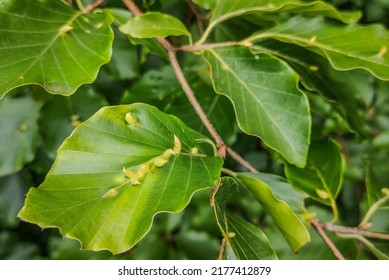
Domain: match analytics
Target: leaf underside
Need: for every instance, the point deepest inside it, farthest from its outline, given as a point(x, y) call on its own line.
point(89, 196)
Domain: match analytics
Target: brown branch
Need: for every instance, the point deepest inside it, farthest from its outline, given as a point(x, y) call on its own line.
point(222, 248)
point(93, 6)
point(353, 230)
point(192, 99)
point(316, 224)
point(132, 7)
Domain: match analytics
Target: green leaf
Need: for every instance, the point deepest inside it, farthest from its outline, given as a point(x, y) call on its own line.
point(223, 10)
point(154, 24)
point(19, 134)
point(284, 191)
point(50, 44)
point(347, 47)
point(347, 88)
point(116, 172)
point(322, 178)
point(259, 86)
point(286, 220)
point(246, 240)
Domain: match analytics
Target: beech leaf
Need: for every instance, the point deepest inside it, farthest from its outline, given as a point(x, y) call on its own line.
point(259, 86)
point(347, 47)
point(50, 44)
point(116, 172)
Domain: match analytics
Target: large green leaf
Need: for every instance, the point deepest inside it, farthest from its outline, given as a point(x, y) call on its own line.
point(50, 44)
point(154, 24)
point(259, 86)
point(286, 220)
point(223, 10)
point(322, 178)
point(346, 46)
point(246, 240)
point(19, 135)
point(116, 172)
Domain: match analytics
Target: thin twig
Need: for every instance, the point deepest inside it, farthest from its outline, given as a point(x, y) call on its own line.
point(353, 230)
point(192, 99)
point(222, 248)
point(316, 224)
point(194, 48)
point(93, 6)
point(132, 7)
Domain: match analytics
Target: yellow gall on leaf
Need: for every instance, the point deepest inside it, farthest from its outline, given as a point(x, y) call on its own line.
point(313, 39)
point(383, 51)
point(231, 234)
point(135, 180)
point(112, 192)
point(159, 162)
point(194, 151)
point(177, 145)
point(128, 172)
point(168, 154)
point(322, 193)
point(385, 191)
point(131, 119)
point(65, 28)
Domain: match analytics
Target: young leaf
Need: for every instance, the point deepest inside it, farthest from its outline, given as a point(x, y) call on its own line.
point(246, 241)
point(322, 178)
point(154, 24)
point(19, 135)
point(286, 220)
point(50, 44)
point(115, 173)
point(347, 47)
point(284, 191)
point(267, 101)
